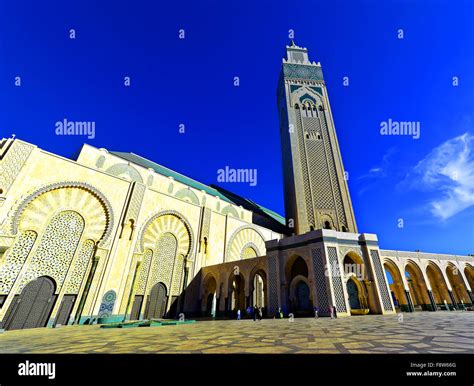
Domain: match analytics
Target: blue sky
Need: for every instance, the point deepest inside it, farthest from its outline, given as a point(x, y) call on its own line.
point(426, 182)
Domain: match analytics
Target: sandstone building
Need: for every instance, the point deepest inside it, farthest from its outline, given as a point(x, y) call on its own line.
point(111, 236)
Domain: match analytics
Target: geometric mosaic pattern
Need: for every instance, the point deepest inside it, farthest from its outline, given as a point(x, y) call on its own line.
point(297, 71)
point(145, 268)
point(107, 305)
point(177, 276)
point(419, 332)
point(14, 259)
point(56, 249)
point(336, 280)
point(78, 271)
point(12, 163)
point(319, 267)
point(273, 284)
point(163, 261)
point(337, 188)
point(379, 273)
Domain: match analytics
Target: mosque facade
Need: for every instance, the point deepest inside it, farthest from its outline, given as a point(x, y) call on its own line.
point(112, 236)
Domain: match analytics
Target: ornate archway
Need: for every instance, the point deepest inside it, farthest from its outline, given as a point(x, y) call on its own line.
point(236, 294)
point(417, 287)
point(300, 295)
point(469, 272)
point(438, 286)
point(397, 288)
point(209, 296)
point(460, 292)
point(352, 286)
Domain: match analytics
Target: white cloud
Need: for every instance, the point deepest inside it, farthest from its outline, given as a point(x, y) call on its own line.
point(449, 170)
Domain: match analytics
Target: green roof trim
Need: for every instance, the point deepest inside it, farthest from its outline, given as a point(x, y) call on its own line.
point(164, 171)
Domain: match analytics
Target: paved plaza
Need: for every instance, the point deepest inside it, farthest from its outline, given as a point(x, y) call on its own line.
point(421, 332)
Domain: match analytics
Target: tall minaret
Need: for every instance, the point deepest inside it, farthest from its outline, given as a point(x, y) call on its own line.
point(316, 192)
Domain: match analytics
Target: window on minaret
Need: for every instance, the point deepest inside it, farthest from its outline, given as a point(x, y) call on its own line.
point(327, 225)
point(205, 245)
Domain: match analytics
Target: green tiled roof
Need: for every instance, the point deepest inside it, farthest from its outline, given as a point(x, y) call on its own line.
point(136, 159)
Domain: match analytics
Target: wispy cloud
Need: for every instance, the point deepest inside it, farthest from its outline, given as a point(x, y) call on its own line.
point(370, 179)
point(449, 171)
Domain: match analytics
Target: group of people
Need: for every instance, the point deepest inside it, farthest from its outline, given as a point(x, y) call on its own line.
point(256, 312)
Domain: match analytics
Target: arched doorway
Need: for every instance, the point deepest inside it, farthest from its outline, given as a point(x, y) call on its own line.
point(469, 272)
point(357, 281)
point(157, 302)
point(33, 306)
point(457, 284)
point(353, 293)
point(237, 294)
point(397, 288)
point(417, 287)
point(259, 289)
point(300, 298)
point(209, 296)
point(438, 286)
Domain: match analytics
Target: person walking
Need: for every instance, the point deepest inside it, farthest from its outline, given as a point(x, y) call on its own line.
point(260, 313)
point(254, 309)
point(238, 314)
point(316, 312)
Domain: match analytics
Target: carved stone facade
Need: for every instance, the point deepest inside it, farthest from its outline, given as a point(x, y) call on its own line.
point(105, 234)
point(112, 236)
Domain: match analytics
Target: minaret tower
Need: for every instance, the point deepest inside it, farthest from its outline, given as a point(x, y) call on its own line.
point(316, 192)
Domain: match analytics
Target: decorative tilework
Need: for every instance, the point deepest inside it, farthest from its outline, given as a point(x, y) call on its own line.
point(56, 249)
point(14, 260)
point(387, 304)
point(145, 269)
point(107, 305)
point(57, 187)
point(136, 201)
point(319, 268)
point(12, 163)
point(79, 268)
point(163, 261)
point(273, 284)
point(304, 72)
point(336, 280)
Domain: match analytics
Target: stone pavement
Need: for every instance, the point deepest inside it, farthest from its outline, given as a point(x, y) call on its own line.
point(420, 332)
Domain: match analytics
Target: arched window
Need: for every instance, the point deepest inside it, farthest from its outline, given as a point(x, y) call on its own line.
point(327, 225)
point(297, 107)
point(311, 227)
point(205, 245)
point(344, 229)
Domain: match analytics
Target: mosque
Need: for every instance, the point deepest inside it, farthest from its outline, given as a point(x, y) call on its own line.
point(112, 236)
